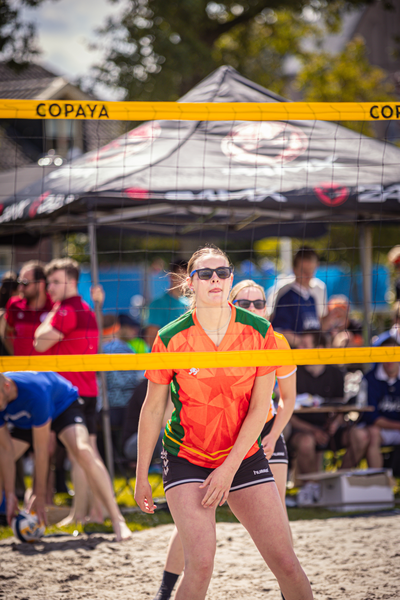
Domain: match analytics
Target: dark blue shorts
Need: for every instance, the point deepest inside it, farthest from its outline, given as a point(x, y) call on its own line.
point(178, 471)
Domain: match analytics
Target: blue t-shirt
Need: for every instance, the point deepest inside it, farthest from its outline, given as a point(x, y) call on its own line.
point(165, 309)
point(294, 312)
point(120, 384)
point(383, 395)
point(41, 397)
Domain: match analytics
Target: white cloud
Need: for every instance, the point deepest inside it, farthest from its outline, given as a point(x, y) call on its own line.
point(65, 29)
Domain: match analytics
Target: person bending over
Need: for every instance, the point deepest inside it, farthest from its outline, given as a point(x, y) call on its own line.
point(35, 404)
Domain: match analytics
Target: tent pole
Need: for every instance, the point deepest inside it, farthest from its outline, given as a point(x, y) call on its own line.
point(94, 267)
point(366, 268)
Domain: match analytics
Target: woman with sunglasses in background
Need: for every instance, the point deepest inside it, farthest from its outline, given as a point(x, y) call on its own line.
point(210, 454)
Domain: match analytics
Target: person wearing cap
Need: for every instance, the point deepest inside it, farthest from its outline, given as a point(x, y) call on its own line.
point(170, 305)
point(394, 259)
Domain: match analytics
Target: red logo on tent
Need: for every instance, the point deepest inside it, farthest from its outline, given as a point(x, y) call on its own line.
point(264, 143)
point(136, 193)
point(36, 203)
point(132, 143)
point(332, 194)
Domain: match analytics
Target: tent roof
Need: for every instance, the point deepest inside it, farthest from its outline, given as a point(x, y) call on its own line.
point(181, 177)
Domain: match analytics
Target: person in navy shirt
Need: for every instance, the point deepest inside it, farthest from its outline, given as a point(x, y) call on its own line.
point(297, 308)
point(382, 426)
point(33, 404)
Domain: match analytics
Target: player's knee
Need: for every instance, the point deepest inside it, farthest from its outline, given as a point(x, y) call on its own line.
point(85, 455)
point(288, 565)
point(202, 566)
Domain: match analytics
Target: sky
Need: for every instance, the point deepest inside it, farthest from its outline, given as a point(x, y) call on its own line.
point(65, 28)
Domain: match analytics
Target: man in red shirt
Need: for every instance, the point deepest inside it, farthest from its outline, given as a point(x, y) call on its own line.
point(24, 314)
point(71, 328)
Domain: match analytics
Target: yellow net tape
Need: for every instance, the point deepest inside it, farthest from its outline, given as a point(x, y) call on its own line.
point(199, 360)
point(204, 111)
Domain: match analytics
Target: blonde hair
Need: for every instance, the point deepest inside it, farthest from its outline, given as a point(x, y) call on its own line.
point(242, 285)
point(203, 251)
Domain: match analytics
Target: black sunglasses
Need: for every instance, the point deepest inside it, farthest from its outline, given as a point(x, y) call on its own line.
point(258, 304)
point(221, 272)
point(24, 282)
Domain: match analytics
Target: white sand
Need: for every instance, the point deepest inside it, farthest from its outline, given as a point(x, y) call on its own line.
point(345, 559)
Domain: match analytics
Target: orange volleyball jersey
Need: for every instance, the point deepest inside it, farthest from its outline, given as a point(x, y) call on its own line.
point(211, 404)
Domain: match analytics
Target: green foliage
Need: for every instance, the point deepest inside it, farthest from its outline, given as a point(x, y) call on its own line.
point(159, 50)
point(346, 77)
point(18, 44)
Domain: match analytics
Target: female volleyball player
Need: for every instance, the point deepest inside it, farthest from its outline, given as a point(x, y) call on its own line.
point(250, 296)
point(209, 451)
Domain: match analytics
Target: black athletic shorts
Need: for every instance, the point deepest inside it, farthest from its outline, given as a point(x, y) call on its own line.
point(89, 410)
point(280, 454)
point(177, 471)
point(72, 415)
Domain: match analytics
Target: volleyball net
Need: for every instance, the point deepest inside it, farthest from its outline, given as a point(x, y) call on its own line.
point(155, 180)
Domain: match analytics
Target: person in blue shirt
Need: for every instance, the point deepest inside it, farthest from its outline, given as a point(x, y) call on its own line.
point(298, 307)
point(170, 305)
point(381, 427)
point(33, 404)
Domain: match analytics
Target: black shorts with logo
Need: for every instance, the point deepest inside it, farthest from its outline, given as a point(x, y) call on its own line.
point(72, 415)
point(89, 410)
point(178, 471)
point(280, 454)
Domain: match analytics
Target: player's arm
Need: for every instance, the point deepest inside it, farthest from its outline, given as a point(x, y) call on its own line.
point(7, 472)
point(219, 481)
point(41, 440)
point(287, 390)
point(46, 335)
point(150, 424)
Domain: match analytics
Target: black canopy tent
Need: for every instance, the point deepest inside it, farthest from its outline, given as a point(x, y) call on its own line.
point(216, 179)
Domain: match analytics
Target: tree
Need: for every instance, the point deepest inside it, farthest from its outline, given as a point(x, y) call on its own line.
point(18, 44)
point(348, 77)
point(159, 50)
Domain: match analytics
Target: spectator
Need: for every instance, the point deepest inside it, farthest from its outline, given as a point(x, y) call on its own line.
point(8, 289)
point(298, 305)
point(382, 426)
point(71, 328)
point(121, 384)
point(394, 332)
point(313, 433)
point(26, 312)
point(170, 305)
point(394, 260)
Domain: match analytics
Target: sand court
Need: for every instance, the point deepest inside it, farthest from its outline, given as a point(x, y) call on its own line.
point(344, 558)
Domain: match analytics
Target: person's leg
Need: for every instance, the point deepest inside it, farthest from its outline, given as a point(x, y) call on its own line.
point(260, 510)
point(374, 455)
point(357, 444)
point(76, 439)
point(196, 528)
point(280, 471)
point(174, 565)
point(306, 454)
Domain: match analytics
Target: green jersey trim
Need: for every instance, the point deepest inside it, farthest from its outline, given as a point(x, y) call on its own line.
point(169, 331)
point(247, 318)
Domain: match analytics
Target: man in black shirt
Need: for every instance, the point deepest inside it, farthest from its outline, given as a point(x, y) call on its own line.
point(315, 432)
